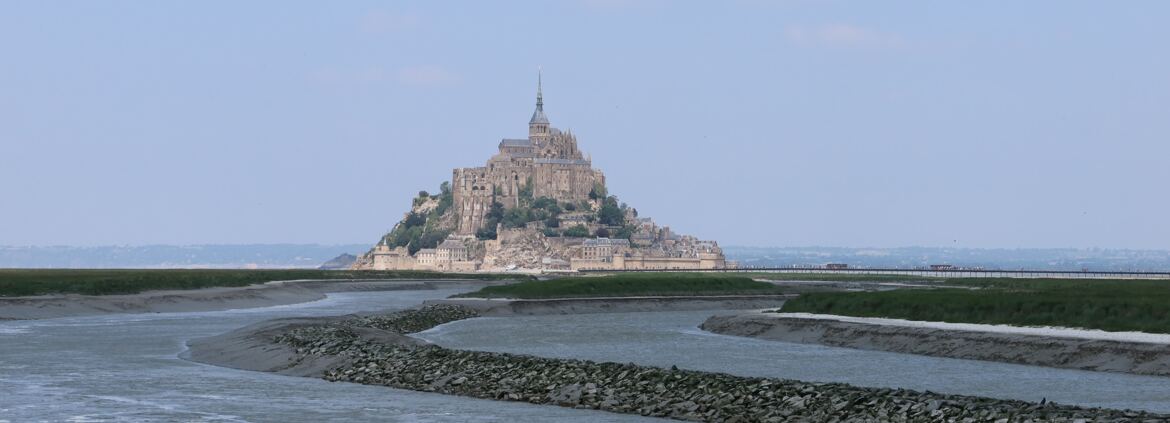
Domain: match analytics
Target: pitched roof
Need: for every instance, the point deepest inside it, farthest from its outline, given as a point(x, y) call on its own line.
point(560, 161)
point(452, 244)
point(515, 142)
point(606, 241)
point(538, 116)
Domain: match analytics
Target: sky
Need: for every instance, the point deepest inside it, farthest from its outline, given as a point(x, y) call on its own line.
point(754, 123)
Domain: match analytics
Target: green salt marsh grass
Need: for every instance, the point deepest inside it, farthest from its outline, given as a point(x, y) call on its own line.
point(26, 282)
point(1106, 304)
point(630, 284)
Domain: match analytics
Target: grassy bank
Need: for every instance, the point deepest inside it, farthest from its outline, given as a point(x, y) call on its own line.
point(1113, 305)
point(24, 282)
point(834, 277)
point(810, 277)
point(667, 284)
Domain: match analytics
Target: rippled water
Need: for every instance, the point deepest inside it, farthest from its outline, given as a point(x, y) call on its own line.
point(126, 368)
point(672, 338)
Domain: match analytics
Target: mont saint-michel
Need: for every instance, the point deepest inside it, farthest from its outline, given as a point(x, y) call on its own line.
point(375, 212)
point(538, 204)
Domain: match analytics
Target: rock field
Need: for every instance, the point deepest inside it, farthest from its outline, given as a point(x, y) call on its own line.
point(628, 388)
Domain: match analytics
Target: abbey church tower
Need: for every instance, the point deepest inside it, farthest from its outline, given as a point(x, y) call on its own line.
point(547, 162)
point(538, 125)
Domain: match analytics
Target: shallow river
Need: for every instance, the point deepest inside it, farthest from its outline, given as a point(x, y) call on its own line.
point(127, 367)
point(672, 338)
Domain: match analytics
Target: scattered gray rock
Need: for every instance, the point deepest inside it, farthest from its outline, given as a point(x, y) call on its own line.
point(628, 388)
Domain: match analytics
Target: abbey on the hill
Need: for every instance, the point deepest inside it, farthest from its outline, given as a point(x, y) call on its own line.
point(548, 162)
point(539, 205)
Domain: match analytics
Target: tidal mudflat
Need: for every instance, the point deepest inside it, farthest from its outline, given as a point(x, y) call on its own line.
point(127, 367)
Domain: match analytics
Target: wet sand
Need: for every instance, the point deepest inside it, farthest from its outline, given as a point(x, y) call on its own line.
point(207, 299)
point(1082, 352)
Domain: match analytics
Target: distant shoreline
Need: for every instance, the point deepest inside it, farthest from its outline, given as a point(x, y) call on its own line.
point(34, 282)
point(207, 299)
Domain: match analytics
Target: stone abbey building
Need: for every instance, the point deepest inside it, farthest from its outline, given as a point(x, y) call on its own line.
point(546, 165)
point(548, 160)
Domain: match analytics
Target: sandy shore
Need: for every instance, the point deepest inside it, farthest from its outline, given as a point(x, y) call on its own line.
point(1088, 350)
point(509, 307)
point(208, 299)
point(252, 347)
point(1049, 331)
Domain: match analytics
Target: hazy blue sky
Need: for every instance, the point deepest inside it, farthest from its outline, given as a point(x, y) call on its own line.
point(972, 124)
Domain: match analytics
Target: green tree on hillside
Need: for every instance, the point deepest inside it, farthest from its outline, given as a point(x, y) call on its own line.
point(625, 232)
point(611, 214)
point(496, 211)
point(516, 217)
point(546, 204)
point(415, 219)
point(493, 217)
point(485, 233)
point(446, 199)
point(525, 193)
point(598, 191)
point(579, 231)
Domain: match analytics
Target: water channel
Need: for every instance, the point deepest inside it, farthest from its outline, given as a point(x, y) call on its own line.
point(128, 367)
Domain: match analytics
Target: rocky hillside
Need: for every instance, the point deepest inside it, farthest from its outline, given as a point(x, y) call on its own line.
point(431, 219)
point(343, 261)
point(526, 251)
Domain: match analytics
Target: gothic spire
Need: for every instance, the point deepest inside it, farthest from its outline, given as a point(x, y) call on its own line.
point(538, 116)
